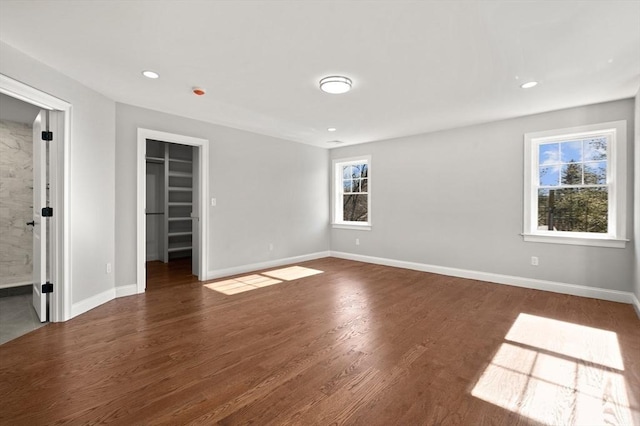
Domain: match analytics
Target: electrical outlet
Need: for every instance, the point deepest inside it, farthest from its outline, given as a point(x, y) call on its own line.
point(357, 241)
point(534, 261)
point(108, 268)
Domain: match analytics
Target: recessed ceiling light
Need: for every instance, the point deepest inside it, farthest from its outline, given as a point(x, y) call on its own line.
point(150, 74)
point(335, 84)
point(331, 129)
point(529, 84)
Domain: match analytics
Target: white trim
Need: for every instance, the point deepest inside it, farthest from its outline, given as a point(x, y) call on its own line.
point(61, 309)
point(219, 273)
point(203, 144)
point(364, 227)
point(636, 303)
point(616, 132)
point(126, 290)
point(531, 283)
point(92, 302)
point(16, 284)
point(576, 241)
point(336, 191)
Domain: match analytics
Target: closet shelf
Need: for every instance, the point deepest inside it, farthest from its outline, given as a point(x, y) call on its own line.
point(178, 219)
point(180, 204)
point(180, 174)
point(179, 234)
point(174, 249)
point(180, 160)
point(180, 189)
point(159, 160)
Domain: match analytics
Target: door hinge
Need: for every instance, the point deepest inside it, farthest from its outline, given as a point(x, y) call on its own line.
point(47, 212)
point(47, 287)
point(47, 135)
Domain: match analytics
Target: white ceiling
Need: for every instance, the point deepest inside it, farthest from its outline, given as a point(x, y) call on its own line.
point(417, 66)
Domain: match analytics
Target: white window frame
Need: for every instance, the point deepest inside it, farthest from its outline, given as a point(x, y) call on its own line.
point(337, 192)
point(616, 132)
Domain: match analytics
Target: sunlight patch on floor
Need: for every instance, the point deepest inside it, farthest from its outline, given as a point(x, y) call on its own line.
point(242, 284)
point(292, 273)
point(265, 279)
point(556, 372)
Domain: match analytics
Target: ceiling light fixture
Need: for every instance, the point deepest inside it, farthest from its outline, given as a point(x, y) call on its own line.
point(150, 74)
point(331, 129)
point(335, 84)
point(529, 84)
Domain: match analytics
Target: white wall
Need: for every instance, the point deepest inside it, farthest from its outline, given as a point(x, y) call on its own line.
point(92, 192)
point(268, 190)
point(455, 199)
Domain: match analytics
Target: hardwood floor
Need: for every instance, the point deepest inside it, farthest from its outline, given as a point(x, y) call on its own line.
point(175, 272)
point(355, 344)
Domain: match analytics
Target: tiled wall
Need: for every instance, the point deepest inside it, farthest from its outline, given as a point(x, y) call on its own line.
point(16, 199)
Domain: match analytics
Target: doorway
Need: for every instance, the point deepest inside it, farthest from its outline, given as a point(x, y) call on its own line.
point(54, 306)
point(172, 188)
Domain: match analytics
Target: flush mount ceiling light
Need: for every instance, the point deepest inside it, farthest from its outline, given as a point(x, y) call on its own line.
point(335, 84)
point(150, 74)
point(331, 129)
point(529, 84)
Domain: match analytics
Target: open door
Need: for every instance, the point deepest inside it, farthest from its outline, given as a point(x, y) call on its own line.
point(39, 222)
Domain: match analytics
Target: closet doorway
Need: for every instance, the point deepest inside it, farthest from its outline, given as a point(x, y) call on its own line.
point(172, 177)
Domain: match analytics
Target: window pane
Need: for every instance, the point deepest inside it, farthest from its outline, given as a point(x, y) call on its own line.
point(595, 173)
point(356, 170)
point(571, 152)
point(573, 209)
point(550, 175)
point(364, 185)
point(346, 172)
point(354, 208)
point(365, 170)
point(346, 185)
point(595, 149)
point(355, 186)
point(549, 154)
point(571, 174)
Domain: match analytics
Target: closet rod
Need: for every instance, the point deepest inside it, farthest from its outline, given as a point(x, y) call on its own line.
point(154, 213)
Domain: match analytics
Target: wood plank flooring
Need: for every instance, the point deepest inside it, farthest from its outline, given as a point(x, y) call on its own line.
point(356, 344)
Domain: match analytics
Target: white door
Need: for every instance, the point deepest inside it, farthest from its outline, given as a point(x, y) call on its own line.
point(39, 223)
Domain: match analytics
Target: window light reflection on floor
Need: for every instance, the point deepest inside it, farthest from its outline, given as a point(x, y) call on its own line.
point(555, 372)
point(265, 279)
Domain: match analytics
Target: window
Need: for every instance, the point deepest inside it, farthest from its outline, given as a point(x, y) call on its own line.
point(351, 193)
point(575, 185)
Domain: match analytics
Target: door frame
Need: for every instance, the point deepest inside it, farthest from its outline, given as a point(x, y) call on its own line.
point(60, 182)
point(203, 213)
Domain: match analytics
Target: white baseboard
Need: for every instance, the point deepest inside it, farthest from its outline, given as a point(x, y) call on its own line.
point(556, 287)
point(126, 290)
point(219, 273)
point(636, 304)
point(92, 302)
point(16, 284)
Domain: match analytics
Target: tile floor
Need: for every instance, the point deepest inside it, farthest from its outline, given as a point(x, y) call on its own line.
point(17, 316)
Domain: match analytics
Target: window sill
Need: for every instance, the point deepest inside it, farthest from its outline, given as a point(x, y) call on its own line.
point(363, 227)
point(576, 241)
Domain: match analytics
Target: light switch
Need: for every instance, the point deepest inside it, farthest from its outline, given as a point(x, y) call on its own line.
point(213, 202)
